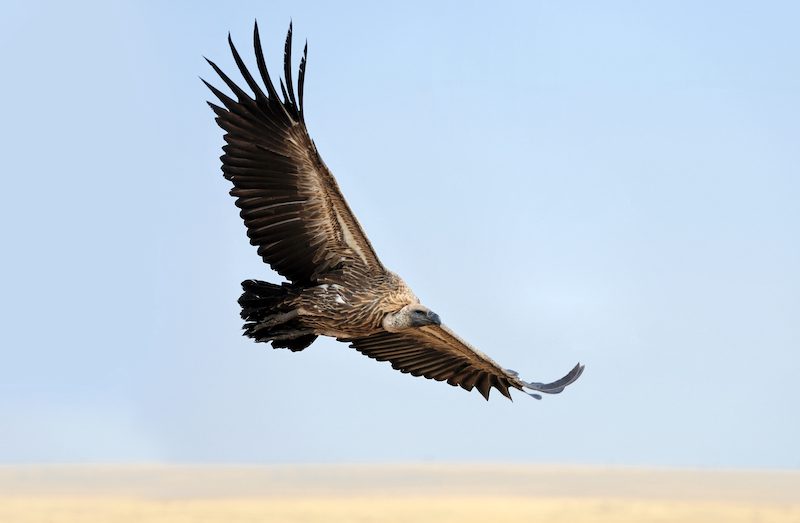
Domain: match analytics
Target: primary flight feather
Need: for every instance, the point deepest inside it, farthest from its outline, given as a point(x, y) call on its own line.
point(303, 228)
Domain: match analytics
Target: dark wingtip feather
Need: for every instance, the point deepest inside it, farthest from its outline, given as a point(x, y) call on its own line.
point(240, 94)
point(262, 66)
point(283, 90)
point(484, 385)
point(287, 66)
point(225, 99)
point(500, 385)
point(301, 79)
point(259, 94)
point(216, 108)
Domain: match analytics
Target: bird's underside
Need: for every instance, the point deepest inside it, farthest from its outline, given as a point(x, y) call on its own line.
point(303, 228)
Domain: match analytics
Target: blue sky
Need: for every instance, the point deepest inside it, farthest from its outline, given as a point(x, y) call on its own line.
point(616, 184)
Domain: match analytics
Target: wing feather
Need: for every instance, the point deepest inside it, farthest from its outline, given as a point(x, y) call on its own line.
point(287, 65)
point(437, 353)
point(292, 207)
point(262, 69)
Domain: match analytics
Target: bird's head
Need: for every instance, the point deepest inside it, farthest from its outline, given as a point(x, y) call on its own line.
point(409, 317)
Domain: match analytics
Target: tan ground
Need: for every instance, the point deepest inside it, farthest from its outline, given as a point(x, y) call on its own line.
point(402, 493)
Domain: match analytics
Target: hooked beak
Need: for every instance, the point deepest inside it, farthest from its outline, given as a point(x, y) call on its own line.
point(434, 318)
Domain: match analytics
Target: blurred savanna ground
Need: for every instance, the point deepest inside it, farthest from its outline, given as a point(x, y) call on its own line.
point(388, 493)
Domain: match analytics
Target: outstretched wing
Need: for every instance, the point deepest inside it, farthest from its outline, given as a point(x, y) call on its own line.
point(436, 352)
point(289, 200)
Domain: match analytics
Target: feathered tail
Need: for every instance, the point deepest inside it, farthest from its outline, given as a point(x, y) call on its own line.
point(270, 317)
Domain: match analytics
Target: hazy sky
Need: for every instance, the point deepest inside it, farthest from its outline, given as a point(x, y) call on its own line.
point(615, 184)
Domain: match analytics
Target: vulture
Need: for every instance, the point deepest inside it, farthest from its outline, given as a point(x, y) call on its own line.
point(304, 229)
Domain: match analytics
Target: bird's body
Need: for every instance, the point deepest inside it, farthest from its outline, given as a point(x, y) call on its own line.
point(297, 217)
point(322, 307)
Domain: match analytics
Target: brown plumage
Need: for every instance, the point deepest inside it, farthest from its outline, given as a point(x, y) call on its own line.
point(303, 228)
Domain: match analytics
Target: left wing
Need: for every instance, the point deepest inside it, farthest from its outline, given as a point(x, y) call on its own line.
point(436, 352)
point(290, 202)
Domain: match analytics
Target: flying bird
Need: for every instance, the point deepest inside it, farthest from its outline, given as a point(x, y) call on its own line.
point(304, 229)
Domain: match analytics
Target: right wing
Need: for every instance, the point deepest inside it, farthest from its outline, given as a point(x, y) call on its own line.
point(436, 352)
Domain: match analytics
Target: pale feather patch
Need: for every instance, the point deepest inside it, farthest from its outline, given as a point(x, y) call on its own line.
point(348, 238)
